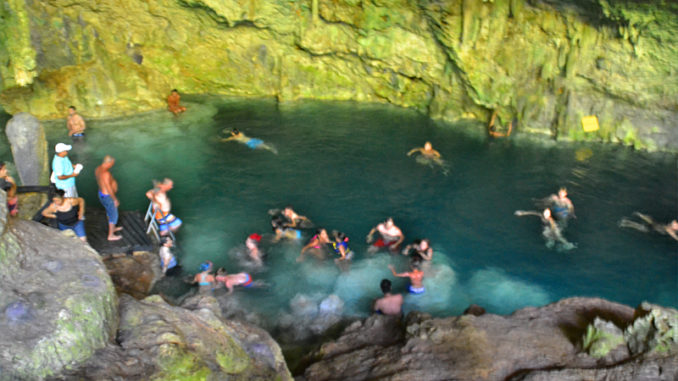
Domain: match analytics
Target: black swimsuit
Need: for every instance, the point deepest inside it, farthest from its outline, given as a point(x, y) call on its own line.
point(69, 217)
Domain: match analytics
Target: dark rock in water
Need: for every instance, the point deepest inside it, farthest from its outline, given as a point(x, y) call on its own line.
point(474, 310)
point(531, 344)
point(50, 318)
point(29, 148)
point(159, 341)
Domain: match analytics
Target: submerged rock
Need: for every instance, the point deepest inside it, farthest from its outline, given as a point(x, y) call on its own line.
point(57, 303)
point(533, 343)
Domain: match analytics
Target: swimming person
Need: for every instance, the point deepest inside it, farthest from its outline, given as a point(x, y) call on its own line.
point(391, 236)
point(293, 220)
point(416, 277)
point(161, 206)
point(252, 143)
point(562, 206)
point(316, 245)
point(8, 184)
point(389, 304)
point(281, 231)
point(419, 248)
point(75, 123)
point(173, 103)
point(252, 244)
point(204, 279)
point(108, 187)
point(232, 280)
point(648, 223)
point(167, 259)
point(69, 213)
point(340, 246)
point(551, 231)
point(429, 156)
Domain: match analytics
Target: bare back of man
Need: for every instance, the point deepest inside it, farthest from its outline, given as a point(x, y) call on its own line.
point(75, 123)
point(390, 304)
point(108, 188)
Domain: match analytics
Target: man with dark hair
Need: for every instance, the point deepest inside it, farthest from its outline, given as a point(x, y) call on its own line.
point(173, 103)
point(390, 304)
point(108, 187)
point(75, 123)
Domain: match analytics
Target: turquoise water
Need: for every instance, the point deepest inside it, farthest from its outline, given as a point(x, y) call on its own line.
point(344, 166)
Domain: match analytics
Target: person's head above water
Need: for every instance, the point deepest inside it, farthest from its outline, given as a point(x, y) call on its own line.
point(547, 213)
point(385, 286)
point(206, 266)
point(389, 222)
point(424, 244)
point(340, 237)
point(235, 132)
point(428, 146)
point(673, 225)
point(562, 192)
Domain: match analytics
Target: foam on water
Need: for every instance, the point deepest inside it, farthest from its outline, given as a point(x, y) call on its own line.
point(497, 291)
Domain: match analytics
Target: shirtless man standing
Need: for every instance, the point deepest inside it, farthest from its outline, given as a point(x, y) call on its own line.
point(108, 187)
point(161, 207)
point(390, 304)
point(75, 123)
point(416, 277)
point(391, 236)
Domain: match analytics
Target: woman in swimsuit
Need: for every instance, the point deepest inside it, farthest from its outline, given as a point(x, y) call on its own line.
point(69, 213)
point(420, 248)
point(316, 245)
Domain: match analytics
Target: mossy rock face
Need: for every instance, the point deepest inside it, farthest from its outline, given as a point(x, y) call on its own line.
point(57, 303)
point(543, 63)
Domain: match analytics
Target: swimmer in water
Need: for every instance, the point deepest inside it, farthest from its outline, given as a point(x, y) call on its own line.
point(252, 143)
point(340, 246)
point(294, 220)
point(204, 278)
point(316, 245)
point(551, 232)
point(562, 207)
point(419, 249)
point(430, 156)
point(648, 223)
point(252, 244)
point(281, 231)
point(391, 236)
point(416, 277)
point(232, 280)
point(389, 304)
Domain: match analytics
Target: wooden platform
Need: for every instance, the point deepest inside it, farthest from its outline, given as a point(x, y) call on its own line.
point(134, 237)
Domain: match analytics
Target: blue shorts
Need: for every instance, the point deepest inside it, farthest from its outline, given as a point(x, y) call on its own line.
point(169, 222)
point(111, 209)
point(254, 143)
point(79, 135)
point(416, 290)
point(78, 228)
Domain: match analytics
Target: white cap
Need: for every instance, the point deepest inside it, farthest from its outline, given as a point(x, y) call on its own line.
point(61, 147)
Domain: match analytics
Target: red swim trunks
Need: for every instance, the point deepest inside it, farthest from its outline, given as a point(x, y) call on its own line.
point(381, 243)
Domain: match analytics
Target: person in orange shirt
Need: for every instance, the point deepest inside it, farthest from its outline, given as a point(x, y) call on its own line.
point(173, 103)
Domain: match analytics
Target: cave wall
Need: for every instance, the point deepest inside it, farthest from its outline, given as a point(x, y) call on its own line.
point(545, 63)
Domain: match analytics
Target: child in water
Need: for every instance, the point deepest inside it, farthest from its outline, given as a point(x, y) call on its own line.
point(340, 246)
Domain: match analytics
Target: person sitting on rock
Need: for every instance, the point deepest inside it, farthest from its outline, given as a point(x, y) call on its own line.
point(173, 103)
point(69, 213)
point(8, 184)
point(389, 304)
point(204, 279)
point(232, 280)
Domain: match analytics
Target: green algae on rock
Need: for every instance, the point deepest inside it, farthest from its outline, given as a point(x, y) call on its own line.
point(545, 63)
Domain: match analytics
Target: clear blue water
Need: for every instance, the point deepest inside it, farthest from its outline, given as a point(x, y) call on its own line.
point(344, 166)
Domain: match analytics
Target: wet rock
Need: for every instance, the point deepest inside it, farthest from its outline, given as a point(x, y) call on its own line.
point(29, 148)
point(134, 274)
point(57, 303)
point(310, 316)
point(492, 347)
point(474, 310)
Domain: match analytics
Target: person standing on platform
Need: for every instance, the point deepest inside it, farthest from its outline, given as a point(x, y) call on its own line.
point(75, 124)
point(63, 171)
point(108, 187)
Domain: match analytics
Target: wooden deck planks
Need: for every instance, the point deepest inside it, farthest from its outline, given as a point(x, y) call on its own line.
point(134, 237)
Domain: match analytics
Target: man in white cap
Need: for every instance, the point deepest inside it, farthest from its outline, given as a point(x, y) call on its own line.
point(63, 171)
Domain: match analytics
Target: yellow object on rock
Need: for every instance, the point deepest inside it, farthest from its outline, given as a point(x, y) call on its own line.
point(590, 123)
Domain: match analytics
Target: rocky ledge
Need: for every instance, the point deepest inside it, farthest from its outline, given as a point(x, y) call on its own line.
point(573, 339)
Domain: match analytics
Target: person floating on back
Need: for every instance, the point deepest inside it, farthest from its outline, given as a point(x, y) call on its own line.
point(161, 207)
point(75, 124)
point(647, 224)
point(252, 143)
point(389, 304)
point(173, 103)
point(108, 187)
point(551, 232)
point(69, 213)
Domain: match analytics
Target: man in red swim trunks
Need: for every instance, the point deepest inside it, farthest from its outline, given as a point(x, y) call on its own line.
point(391, 236)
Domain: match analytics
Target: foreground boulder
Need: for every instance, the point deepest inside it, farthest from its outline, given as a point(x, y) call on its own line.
point(57, 303)
point(544, 343)
point(159, 341)
point(29, 148)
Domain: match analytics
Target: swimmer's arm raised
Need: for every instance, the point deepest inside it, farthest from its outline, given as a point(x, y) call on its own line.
point(521, 213)
point(401, 275)
point(413, 150)
point(370, 234)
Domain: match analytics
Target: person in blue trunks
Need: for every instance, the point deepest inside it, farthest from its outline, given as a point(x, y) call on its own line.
point(562, 207)
point(108, 187)
point(252, 143)
point(232, 280)
point(161, 207)
point(416, 277)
